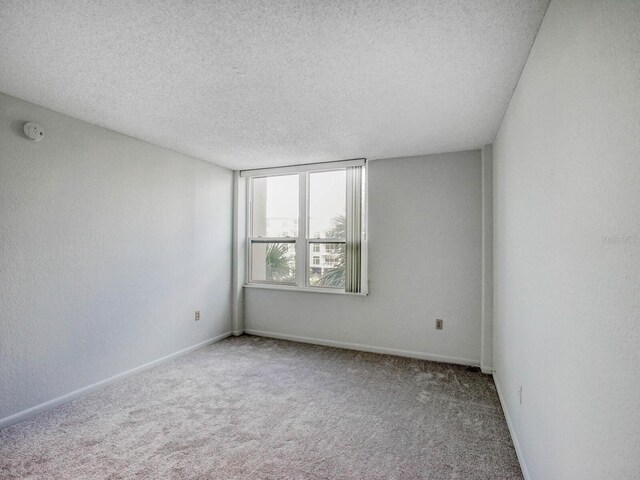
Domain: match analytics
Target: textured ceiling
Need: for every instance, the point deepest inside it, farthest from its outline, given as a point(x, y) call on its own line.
point(260, 83)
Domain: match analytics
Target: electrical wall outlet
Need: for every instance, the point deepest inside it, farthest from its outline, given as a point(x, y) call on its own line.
point(197, 315)
point(439, 324)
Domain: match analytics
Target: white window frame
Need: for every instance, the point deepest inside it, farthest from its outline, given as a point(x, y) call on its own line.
point(302, 242)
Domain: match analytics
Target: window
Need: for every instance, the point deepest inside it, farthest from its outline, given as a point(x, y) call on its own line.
point(306, 226)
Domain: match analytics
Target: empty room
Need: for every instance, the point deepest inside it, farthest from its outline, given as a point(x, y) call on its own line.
point(320, 239)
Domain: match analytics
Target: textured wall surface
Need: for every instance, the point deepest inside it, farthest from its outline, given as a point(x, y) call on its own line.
point(108, 245)
point(247, 83)
point(567, 245)
point(425, 239)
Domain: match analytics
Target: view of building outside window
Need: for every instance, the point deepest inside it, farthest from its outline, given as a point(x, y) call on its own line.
point(275, 215)
point(327, 210)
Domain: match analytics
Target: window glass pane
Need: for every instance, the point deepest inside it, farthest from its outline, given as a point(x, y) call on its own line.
point(273, 262)
point(275, 206)
point(326, 267)
point(327, 204)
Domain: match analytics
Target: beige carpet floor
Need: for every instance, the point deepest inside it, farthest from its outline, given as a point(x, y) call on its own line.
point(255, 408)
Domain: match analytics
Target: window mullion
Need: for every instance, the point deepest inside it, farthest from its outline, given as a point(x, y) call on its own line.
point(301, 244)
point(273, 239)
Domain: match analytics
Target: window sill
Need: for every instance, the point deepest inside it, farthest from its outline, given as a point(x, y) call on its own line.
point(293, 288)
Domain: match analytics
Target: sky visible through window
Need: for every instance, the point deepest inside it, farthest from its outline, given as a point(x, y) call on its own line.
point(327, 200)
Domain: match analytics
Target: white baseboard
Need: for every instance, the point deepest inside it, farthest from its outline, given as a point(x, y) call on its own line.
point(237, 333)
point(30, 412)
point(487, 370)
point(514, 437)
point(365, 348)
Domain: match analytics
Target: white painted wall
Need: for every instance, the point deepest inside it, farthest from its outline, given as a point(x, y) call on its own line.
point(425, 249)
point(108, 245)
point(567, 245)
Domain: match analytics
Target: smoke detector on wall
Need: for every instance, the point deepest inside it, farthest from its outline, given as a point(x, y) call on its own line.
point(33, 131)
